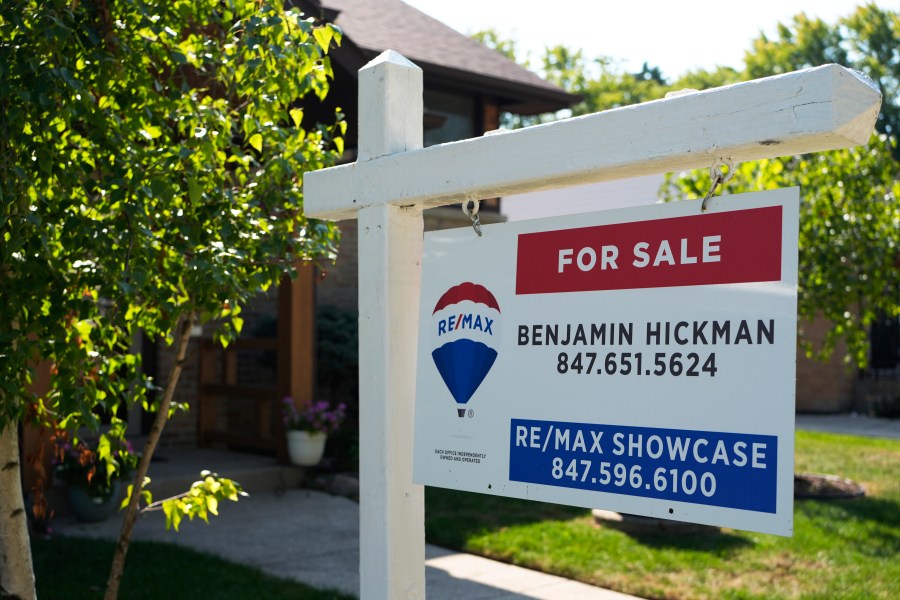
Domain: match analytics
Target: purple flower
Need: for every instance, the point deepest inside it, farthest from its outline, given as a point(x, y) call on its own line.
point(317, 416)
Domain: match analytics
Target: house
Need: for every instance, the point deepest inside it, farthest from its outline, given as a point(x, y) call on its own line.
point(234, 394)
point(466, 87)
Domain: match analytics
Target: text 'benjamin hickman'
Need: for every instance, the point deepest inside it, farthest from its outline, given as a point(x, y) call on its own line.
point(656, 333)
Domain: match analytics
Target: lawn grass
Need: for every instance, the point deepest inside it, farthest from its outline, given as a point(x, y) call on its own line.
point(840, 549)
point(77, 568)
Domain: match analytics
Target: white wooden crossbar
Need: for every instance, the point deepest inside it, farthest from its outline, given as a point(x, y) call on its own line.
point(822, 108)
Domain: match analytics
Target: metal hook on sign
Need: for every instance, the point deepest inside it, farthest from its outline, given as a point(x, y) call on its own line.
point(470, 208)
point(718, 177)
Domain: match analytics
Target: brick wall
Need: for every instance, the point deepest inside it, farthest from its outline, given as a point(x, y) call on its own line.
point(337, 284)
point(823, 387)
point(181, 430)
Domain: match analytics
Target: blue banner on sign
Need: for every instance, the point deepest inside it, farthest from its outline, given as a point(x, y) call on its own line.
point(731, 470)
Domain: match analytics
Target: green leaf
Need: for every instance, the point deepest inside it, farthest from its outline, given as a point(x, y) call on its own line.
point(323, 37)
point(296, 116)
point(127, 498)
point(173, 512)
point(195, 192)
point(104, 453)
point(150, 132)
point(256, 142)
point(212, 504)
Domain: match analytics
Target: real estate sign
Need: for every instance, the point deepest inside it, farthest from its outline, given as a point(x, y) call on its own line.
point(638, 360)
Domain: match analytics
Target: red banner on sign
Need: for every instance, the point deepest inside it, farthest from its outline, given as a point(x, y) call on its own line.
point(732, 247)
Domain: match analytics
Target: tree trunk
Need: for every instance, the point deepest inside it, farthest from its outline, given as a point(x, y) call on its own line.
point(16, 569)
point(162, 416)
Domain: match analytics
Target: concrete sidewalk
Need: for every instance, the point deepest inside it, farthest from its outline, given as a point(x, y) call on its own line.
point(313, 537)
point(851, 424)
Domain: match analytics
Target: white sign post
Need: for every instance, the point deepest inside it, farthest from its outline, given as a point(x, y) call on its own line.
point(392, 181)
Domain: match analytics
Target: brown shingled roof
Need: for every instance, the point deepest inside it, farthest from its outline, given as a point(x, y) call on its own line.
point(444, 54)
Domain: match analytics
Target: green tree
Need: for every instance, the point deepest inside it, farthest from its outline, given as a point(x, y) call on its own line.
point(850, 218)
point(151, 159)
point(493, 40)
point(849, 234)
point(610, 87)
point(702, 79)
point(867, 40)
point(600, 82)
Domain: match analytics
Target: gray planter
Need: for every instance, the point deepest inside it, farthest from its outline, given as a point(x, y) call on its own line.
point(93, 509)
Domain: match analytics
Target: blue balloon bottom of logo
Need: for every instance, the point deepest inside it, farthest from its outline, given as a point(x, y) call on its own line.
point(463, 365)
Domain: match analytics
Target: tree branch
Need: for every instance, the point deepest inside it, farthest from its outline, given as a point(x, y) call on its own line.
point(159, 423)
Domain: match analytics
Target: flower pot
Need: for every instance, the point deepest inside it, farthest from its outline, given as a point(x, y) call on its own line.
point(306, 448)
point(92, 508)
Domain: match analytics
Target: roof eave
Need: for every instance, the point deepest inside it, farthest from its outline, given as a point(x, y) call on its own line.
point(515, 97)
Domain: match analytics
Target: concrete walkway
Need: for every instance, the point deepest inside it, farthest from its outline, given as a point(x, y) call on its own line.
point(851, 424)
point(313, 537)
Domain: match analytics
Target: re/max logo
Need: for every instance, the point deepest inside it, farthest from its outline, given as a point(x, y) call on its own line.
point(465, 321)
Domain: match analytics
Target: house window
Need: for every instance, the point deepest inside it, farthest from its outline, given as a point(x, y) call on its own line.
point(448, 117)
point(885, 338)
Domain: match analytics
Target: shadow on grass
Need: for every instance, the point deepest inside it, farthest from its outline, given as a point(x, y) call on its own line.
point(451, 517)
point(870, 525)
point(718, 544)
point(869, 508)
point(76, 569)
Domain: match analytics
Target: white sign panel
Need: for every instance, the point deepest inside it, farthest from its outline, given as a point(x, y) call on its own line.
point(638, 360)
